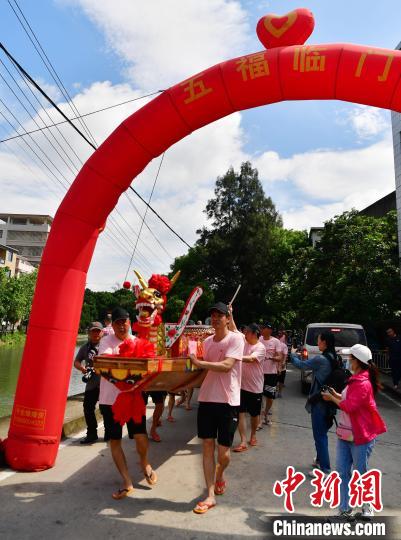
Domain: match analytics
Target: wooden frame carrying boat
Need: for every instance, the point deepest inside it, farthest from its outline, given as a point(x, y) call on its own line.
point(153, 374)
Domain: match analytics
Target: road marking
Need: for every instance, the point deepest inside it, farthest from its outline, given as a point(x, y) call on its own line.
point(6, 474)
point(390, 399)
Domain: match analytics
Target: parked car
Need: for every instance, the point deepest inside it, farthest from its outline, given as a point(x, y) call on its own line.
point(345, 334)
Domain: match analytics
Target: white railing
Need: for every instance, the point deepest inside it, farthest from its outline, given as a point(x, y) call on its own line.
point(380, 358)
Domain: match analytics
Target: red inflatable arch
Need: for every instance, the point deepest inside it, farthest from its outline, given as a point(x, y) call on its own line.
point(359, 74)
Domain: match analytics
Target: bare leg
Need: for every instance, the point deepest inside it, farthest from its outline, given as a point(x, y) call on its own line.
point(188, 395)
point(157, 414)
point(209, 468)
point(255, 420)
point(223, 459)
point(242, 428)
point(171, 403)
point(118, 455)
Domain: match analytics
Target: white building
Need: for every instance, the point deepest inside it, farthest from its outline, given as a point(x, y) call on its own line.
point(26, 233)
point(396, 125)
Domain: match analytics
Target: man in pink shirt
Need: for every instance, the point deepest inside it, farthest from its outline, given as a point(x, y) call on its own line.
point(112, 429)
point(270, 367)
point(282, 369)
point(251, 385)
point(219, 399)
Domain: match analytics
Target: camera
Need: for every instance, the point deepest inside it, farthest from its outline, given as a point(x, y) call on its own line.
point(88, 375)
point(326, 388)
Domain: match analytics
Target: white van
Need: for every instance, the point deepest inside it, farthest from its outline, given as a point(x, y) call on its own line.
point(345, 334)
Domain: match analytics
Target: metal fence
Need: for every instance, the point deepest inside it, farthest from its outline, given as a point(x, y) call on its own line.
point(380, 358)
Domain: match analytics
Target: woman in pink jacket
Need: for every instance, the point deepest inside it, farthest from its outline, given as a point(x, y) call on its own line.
point(358, 426)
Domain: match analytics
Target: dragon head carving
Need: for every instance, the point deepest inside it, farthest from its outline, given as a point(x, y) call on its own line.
point(151, 297)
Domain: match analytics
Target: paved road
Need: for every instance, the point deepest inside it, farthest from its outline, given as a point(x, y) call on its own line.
point(73, 500)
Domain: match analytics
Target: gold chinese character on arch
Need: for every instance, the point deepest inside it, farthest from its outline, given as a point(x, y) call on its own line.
point(386, 70)
point(196, 89)
point(253, 66)
point(308, 59)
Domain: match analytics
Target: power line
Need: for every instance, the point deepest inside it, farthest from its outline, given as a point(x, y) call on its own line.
point(159, 217)
point(144, 215)
point(22, 70)
point(55, 77)
point(55, 124)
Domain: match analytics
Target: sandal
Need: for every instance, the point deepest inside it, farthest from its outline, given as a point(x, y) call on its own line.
point(122, 493)
point(170, 419)
point(151, 478)
point(253, 442)
point(220, 487)
point(155, 437)
point(203, 507)
point(240, 448)
point(259, 428)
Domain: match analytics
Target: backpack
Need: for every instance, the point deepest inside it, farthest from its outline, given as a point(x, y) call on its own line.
point(339, 376)
point(338, 380)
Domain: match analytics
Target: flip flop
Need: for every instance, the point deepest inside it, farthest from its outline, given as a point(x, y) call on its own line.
point(220, 487)
point(240, 448)
point(151, 478)
point(259, 428)
point(155, 437)
point(253, 442)
point(122, 493)
point(203, 507)
point(189, 408)
point(170, 419)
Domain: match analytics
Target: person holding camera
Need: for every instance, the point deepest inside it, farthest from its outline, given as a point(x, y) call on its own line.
point(359, 425)
point(84, 363)
point(321, 365)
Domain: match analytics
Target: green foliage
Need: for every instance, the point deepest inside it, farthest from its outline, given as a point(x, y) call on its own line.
point(16, 295)
point(245, 244)
point(352, 276)
point(98, 303)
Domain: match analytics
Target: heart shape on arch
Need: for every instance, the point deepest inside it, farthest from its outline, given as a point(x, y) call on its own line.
point(294, 28)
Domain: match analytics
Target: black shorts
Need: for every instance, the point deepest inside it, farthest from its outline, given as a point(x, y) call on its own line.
point(157, 397)
point(217, 421)
point(114, 430)
point(281, 377)
point(250, 403)
point(270, 383)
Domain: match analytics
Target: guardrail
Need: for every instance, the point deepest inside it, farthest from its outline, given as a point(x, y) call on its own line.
point(381, 359)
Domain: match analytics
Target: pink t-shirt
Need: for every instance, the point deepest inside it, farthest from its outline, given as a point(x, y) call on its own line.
point(284, 350)
point(220, 387)
point(273, 347)
point(108, 391)
point(108, 330)
point(252, 372)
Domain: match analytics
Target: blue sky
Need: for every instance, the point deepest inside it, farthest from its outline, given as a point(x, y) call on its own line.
point(315, 158)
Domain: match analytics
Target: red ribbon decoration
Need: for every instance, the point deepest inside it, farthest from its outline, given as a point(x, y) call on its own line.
point(130, 403)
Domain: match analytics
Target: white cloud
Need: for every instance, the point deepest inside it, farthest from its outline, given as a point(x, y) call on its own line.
point(333, 175)
point(164, 42)
point(367, 122)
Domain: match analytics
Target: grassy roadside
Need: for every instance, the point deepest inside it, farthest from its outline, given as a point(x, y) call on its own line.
point(8, 340)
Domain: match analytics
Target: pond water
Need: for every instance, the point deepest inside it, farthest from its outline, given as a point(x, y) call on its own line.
point(10, 361)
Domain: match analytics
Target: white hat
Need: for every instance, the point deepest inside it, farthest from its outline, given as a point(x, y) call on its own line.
point(361, 352)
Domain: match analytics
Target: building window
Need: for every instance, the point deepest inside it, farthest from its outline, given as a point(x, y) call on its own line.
point(19, 221)
point(10, 256)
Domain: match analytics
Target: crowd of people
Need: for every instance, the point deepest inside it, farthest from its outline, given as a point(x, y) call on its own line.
point(245, 373)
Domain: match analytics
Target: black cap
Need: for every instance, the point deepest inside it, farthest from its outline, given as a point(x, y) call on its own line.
point(253, 327)
point(119, 313)
point(95, 325)
point(221, 307)
point(266, 325)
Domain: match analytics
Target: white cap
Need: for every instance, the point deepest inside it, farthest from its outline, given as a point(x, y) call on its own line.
point(361, 352)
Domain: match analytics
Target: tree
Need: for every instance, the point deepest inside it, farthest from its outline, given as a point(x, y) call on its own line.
point(352, 276)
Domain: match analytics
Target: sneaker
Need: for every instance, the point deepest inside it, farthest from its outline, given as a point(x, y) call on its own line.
point(315, 463)
point(366, 514)
point(89, 440)
point(343, 516)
